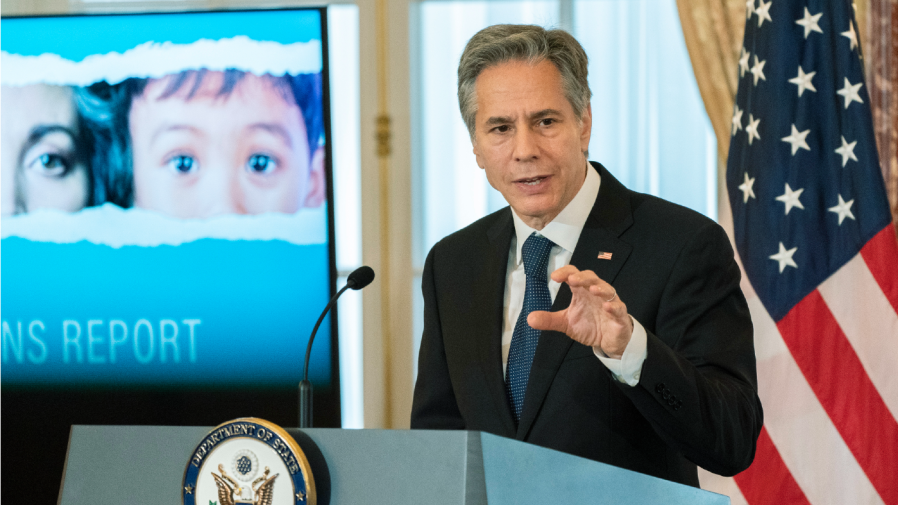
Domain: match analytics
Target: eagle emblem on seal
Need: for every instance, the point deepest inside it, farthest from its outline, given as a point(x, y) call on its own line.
point(230, 492)
point(226, 468)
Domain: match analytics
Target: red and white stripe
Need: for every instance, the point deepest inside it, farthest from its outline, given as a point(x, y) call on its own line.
point(827, 381)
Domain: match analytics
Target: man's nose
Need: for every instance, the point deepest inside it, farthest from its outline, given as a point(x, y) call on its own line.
point(526, 145)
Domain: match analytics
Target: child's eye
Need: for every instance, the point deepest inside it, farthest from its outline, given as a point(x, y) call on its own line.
point(183, 164)
point(50, 165)
point(261, 164)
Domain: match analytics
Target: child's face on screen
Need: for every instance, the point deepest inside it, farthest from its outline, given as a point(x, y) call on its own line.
point(41, 167)
point(245, 152)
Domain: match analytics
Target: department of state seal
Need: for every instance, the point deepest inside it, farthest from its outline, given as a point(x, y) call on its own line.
point(248, 461)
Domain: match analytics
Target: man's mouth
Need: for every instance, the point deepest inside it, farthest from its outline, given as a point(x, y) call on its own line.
point(532, 181)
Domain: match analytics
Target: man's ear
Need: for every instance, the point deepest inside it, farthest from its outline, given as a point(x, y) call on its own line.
point(586, 129)
point(316, 189)
point(477, 154)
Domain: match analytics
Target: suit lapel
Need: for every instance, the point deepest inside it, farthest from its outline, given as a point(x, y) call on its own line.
point(486, 341)
point(610, 216)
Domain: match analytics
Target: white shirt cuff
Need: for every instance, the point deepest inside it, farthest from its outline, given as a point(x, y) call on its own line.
point(628, 368)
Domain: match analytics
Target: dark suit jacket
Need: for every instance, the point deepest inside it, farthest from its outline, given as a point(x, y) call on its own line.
point(696, 401)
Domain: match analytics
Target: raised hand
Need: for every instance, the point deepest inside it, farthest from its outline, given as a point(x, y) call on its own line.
point(596, 316)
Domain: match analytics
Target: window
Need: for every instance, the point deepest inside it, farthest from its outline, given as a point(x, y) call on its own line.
point(343, 29)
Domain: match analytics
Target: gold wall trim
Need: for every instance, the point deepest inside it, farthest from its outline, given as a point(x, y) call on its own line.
point(382, 132)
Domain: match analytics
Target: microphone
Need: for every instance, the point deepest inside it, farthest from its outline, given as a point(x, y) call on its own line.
point(358, 279)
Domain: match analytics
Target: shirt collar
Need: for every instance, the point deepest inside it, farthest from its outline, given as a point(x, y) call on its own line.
point(565, 229)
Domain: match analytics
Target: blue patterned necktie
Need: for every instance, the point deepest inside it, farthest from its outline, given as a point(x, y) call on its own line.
point(524, 339)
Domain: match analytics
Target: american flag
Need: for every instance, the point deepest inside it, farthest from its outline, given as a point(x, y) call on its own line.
point(814, 234)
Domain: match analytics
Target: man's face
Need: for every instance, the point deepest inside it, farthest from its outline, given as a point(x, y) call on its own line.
point(241, 153)
point(529, 140)
point(41, 165)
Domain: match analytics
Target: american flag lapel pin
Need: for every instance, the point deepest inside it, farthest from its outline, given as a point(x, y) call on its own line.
point(604, 255)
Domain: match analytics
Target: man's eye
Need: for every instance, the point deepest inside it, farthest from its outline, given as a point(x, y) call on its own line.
point(502, 129)
point(183, 164)
point(51, 164)
point(261, 164)
point(548, 121)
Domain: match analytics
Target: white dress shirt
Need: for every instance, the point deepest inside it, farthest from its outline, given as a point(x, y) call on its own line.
point(564, 231)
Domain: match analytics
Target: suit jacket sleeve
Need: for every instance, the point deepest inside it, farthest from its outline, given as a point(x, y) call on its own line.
point(698, 387)
point(434, 405)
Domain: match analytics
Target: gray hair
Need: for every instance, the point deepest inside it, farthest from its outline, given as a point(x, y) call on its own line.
point(529, 43)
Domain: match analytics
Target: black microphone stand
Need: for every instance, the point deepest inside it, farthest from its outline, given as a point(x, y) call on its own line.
point(358, 279)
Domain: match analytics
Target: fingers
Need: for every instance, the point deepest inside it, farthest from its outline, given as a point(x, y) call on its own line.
point(547, 321)
point(617, 309)
point(585, 279)
point(562, 274)
point(604, 291)
point(576, 278)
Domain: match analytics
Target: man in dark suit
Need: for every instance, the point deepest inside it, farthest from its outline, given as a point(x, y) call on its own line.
point(585, 317)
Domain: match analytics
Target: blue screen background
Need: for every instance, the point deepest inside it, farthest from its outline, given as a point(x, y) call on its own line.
point(250, 306)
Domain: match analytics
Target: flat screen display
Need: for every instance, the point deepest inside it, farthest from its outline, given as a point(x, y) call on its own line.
point(165, 218)
point(164, 201)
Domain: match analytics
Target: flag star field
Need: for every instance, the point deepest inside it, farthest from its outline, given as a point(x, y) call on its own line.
point(808, 131)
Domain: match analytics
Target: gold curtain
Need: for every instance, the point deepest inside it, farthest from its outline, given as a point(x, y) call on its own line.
point(879, 38)
point(713, 30)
